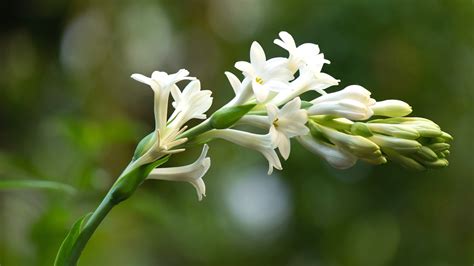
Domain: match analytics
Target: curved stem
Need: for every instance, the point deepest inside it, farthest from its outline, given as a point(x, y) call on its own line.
point(92, 223)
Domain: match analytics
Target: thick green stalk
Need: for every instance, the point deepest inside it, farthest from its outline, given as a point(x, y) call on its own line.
point(92, 223)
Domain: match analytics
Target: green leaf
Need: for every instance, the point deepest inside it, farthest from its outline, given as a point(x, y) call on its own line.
point(68, 243)
point(36, 184)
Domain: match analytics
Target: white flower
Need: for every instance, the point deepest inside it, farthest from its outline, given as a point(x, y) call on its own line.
point(391, 108)
point(191, 173)
point(286, 123)
point(162, 83)
point(234, 82)
point(192, 103)
point(165, 139)
point(265, 75)
point(260, 143)
point(305, 55)
point(353, 102)
point(337, 158)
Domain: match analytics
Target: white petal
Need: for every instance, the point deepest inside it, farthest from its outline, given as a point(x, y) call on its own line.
point(272, 112)
point(260, 143)
point(200, 187)
point(276, 85)
point(257, 55)
point(336, 158)
point(284, 146)
point(309, 50)
point(287, 40)
point(146, 80)
point(292, 105)
point(234, 82)
point(245, 67)
point(273, 160)
point(191, 173)
point(260, 91)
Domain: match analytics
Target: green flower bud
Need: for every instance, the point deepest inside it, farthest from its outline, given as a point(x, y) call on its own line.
point(440, 163)
point(379, 160)
point(426, 129)
point(357, 145)
point(399, 131)
point(446, 136)
point(397, 144)
point(403, 160)
point(427, 154)
point(400, 120)
point(228, 116)
point(446, 153)
point(439, 147)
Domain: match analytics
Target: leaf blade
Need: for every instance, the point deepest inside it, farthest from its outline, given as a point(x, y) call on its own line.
point(68, 242)
point(36, 184)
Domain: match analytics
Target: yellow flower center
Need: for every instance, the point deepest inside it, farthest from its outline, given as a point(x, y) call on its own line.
point(259, 80)
point(275, 122)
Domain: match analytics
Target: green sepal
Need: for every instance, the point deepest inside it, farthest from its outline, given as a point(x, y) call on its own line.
point(315, 132)
point(361, 129)
point(127, 184)
point(306, 105)
point(143, 146)
point(228, 116)
point(332, 122)
point(64, 253)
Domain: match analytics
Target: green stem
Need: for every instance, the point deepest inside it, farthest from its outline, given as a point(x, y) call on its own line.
point(197, 130)
point(92, 223)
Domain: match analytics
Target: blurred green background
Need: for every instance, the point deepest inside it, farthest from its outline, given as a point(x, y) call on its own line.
point(69, 112)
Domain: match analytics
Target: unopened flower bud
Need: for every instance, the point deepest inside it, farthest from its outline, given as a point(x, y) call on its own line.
point(427, 154)
point(391, 108)
point(404, 161)
point(439, 147)
point(398, 144)
point(353, 102)
point(399, 131)
point(227, 116)
point(357, 145)
point(335, 157)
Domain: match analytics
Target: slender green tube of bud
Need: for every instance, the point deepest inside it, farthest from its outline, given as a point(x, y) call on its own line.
point(399, 131)
point(228, 116)
point(357, 145)
point(398, 144)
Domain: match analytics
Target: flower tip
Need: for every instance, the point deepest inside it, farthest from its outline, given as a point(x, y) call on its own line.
point(140, 78)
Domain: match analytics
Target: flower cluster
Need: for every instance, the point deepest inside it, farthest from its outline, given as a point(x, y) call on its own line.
point(342, 127)
point(190, 103)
